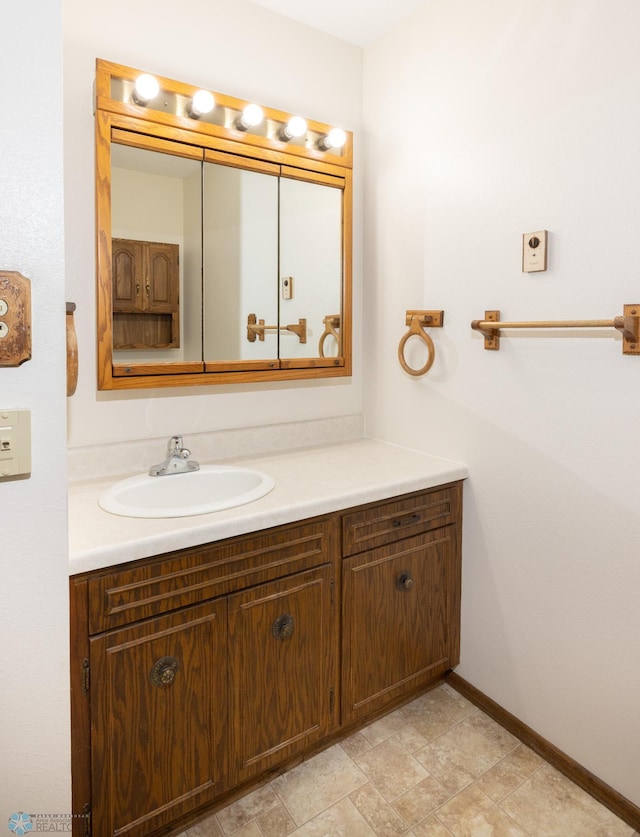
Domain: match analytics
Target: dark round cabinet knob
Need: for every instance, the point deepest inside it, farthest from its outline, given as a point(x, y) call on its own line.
point(404, 581)
point(164, 671)
point(283, 626)
point(534, 242)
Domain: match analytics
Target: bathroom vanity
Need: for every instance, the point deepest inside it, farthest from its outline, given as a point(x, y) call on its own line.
point(199, 670)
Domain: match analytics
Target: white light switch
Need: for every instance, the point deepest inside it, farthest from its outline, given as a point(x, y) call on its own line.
point(534, 252)
point(15, 442)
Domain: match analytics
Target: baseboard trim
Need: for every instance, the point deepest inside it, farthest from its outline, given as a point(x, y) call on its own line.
point(610, 798)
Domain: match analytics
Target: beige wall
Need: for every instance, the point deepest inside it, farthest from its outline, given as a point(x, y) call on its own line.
point(34, 618)
point(237, 48)
point(486, 121)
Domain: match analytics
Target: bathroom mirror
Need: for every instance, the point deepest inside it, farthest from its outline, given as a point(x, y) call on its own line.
point(223, 255)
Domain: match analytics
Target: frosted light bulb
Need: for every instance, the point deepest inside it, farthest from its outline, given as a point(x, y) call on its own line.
point(146, 88)
point(295, 127)
point(336, 138)
point(202, 102)
point(252, 116)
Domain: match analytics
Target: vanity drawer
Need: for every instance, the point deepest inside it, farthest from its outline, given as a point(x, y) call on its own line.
point(392, 520)
point(179, 579)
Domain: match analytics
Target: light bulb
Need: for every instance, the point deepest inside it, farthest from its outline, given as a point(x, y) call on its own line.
point(251, 116)
point(202, 102)
point(146, 88)
point(336, 138)
point(295, 127)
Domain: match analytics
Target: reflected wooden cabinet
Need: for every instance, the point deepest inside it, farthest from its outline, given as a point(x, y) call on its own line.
point(201, 671)
point(146, 285)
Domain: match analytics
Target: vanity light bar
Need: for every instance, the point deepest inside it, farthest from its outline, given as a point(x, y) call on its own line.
point(218, 114)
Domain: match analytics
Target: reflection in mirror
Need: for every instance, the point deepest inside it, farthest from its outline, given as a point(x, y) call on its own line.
point(311, 261)
point(157, 263)
point(240, 242)
point(272, 257)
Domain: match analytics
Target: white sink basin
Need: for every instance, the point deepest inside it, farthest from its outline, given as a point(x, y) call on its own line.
point(212, 488)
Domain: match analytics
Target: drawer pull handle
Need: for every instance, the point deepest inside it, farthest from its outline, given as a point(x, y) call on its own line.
point(164, 671)
point(406, 521)
point(283, 626)
point(404, 581)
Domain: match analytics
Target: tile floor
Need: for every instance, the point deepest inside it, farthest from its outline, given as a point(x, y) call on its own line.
point(436, 767)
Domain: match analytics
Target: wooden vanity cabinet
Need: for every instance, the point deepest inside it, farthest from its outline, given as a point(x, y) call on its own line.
point(198, 671)
point(282, 670)
point(401, 598)
point(158, 719)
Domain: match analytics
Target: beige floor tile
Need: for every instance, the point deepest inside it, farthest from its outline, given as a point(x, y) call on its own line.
point(341, 820)
point(416, 804)
point(459, 756)
point(384, 728)
point(391, 768)
point(431, 827)
point(205, 828)
point(549, 804)
point(472, 814)
point(249, 830)
point(318, 783)
point(247, 808)
point(437, 711)
point(355, 745)
point(411, 738)
point(276, 822)
point(491, 730)
point(378, 812)
point(509, 773)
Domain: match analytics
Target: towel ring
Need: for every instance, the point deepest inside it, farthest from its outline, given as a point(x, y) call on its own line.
point(330, 323)
point(416, 320)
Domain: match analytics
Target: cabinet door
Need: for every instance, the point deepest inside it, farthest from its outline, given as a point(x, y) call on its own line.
point(400, 612)
point(128, 274)
point(282, 659)
point(161, 280)
point(158, 717)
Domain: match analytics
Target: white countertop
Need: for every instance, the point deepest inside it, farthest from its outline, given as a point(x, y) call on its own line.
point(309, 482)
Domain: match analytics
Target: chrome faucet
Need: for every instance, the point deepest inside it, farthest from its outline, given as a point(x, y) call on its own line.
point(177, 461)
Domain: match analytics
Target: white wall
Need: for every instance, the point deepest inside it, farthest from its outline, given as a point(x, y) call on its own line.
point(237, 48)
point(34, 698)
point(485, 121)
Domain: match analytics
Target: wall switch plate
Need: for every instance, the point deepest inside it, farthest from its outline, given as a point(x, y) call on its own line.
point(287, 287)
point(15, 318)
point(15, 442)
point(534, 252)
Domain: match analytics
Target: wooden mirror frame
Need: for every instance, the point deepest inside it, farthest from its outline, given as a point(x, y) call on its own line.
point(115, 116)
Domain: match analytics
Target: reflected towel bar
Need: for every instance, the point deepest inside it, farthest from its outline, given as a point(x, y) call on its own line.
point(257, 328)
point(627, 325)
